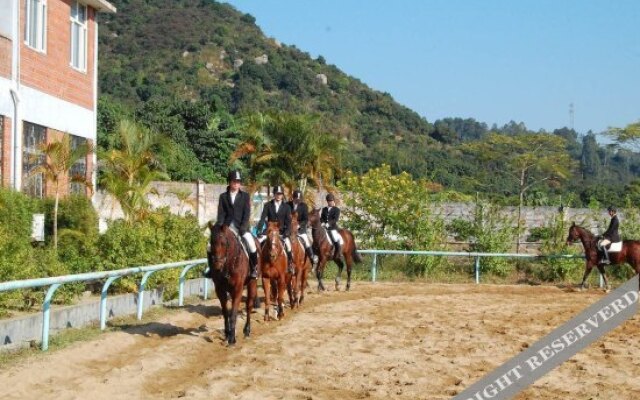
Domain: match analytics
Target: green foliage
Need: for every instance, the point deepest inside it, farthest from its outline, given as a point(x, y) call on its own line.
point(554, 243)
point(393, 212)
point(162, 237)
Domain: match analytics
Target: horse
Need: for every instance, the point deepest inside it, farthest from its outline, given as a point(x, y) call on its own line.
point(274, 269)
point(630, 253)
point(229, 270)
point(298, 283)
point(323, 247)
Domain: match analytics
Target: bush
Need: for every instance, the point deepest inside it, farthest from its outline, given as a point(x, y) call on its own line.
point(160, 238)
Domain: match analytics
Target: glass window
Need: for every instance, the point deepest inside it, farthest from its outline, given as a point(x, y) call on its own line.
point(33, 136)
point(79, 36)
point(35, 34)
point(78, 169)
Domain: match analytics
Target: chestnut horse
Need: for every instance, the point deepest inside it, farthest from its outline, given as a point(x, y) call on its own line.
point(323, 248)
point(298, 283)
point(229, 270)
point(630, 252)
point(274, 269)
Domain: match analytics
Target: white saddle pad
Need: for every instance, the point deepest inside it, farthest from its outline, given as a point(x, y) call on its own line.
point(615, 247)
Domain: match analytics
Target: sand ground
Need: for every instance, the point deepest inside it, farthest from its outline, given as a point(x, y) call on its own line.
point(384, 340)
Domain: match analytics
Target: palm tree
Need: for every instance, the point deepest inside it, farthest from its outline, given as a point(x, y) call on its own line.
point(58, 159)
point(289, 149)
point(131, 167)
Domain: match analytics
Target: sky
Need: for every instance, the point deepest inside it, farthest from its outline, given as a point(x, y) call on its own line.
point(491, 60)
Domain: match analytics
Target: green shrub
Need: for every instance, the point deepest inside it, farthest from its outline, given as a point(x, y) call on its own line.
point(160, 238)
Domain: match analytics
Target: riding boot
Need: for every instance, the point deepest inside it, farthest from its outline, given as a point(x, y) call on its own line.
point(309, 253)
point(253, 265)
point(337, 251)
point(290, 269)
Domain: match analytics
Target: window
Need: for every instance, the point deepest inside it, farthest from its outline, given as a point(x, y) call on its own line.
point(35, 34)
point(78, 36)
point(32, 157)
point(79, 169)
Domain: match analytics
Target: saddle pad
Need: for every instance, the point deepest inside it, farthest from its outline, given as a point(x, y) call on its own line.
point(615, 247)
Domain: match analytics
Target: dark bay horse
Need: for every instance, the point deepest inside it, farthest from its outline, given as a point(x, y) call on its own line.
point(274, 269)
point(229, 270)
point(302, 264)
point(630, 252)
point(323, 248)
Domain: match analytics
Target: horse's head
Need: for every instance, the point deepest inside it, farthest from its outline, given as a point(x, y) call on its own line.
point(219, 245)
point(294, 223)
point(314, 217)
point(574, 233)
point(273, 239)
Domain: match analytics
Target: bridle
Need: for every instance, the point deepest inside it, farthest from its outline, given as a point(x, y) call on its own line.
point(226, 262)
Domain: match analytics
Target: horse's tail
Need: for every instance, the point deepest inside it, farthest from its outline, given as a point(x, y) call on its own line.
point(354, 252)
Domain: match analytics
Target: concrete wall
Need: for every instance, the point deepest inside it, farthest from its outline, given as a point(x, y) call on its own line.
point(18, 332)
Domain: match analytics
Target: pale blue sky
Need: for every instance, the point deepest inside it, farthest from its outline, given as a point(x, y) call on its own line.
point(492, 60)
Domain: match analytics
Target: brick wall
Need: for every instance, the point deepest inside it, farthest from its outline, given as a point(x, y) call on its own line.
point(5, 57)
point(5, 150)
point(52, 72)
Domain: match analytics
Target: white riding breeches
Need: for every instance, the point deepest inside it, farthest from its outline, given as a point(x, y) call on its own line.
point(337, 237)
point(248, 238)
point(287, 242)
point(305, 238)
point(604, 243)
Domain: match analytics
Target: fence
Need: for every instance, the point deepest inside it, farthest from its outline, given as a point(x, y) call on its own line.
point(111, 276)
point(55, 282)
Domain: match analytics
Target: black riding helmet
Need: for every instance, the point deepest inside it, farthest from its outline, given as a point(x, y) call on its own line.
point(278, 189)
point(234, 176)
point(330, 197)
point(612, 209)
point(297, 194)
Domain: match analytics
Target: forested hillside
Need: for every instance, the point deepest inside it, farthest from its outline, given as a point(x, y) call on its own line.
point(193, 68)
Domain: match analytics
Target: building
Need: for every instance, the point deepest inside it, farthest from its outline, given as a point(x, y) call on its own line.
point(48, 85)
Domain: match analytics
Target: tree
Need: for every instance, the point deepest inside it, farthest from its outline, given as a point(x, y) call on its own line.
point(59, 156)
point(629, 135)
point(529, 160)
point(129, 169)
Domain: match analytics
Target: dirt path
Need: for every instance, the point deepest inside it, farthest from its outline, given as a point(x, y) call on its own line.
point(378, 341)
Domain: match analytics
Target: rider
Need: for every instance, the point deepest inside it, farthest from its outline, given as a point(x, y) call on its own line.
point(276, 210)
point(329, 218)
point(234, 210)
point(611, 235)
point(299, 206)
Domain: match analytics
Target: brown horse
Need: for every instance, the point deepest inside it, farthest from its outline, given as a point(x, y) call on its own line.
point(630, 253)
point(323, 247)
point(298, 283)
point(274, 269)
point(229, 270)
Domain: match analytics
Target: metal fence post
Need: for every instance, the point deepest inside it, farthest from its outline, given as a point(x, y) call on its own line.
point(374, 267)
point(143, 282)
point(46, 315)
point(103, 301)
point(477, 268)
point(183, 277)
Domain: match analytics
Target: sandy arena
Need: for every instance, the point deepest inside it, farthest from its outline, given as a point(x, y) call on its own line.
point(384, 340)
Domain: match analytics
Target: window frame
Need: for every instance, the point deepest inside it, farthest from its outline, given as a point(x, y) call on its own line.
point(41, 25)
point(28, 152)
point(83, 28)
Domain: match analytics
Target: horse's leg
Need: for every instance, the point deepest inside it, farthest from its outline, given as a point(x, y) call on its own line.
point(349, 262)
point(587, 271)
point(266, 286)
point(290, 290)
point(235, 306)
point(340, 265)
point(320, 272)
point(222, 296)
point(282, 286)
point(252, 294)
point(604, 278)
